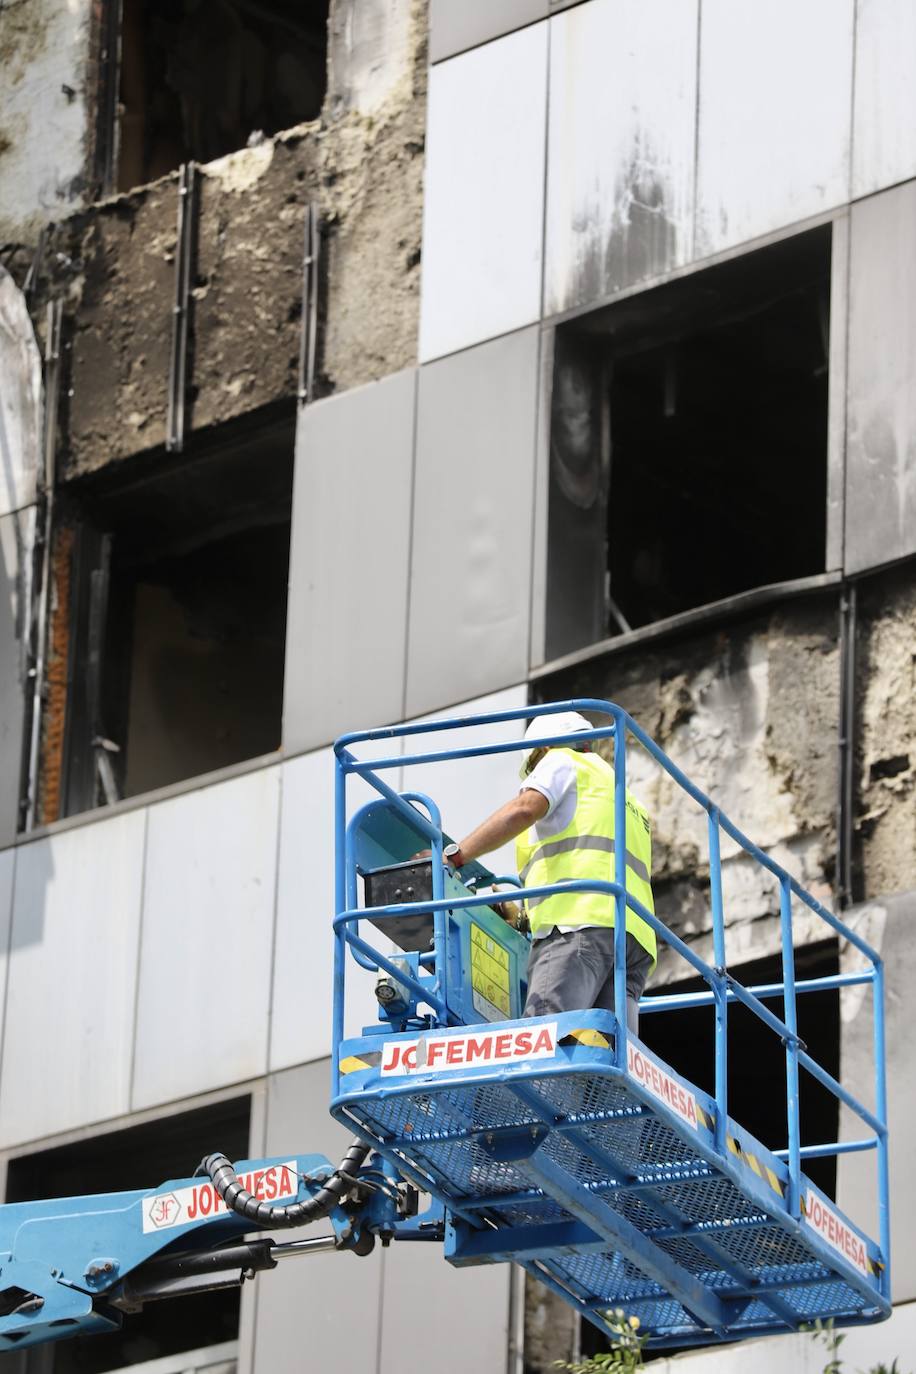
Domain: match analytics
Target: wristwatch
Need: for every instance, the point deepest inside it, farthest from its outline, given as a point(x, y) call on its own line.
point(452, 855)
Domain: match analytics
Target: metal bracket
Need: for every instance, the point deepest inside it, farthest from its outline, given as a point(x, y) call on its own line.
point(308, 337)
point(845, 827)
point(184, 256)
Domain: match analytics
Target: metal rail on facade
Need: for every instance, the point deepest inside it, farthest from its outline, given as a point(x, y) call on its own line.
point(723, 987)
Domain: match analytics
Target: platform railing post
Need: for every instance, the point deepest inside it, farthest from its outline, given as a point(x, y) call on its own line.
point(341, 859)
point(884, 1219)
point(620, 878)
point(440, 918)
point(720, 982)
point(791, 1020)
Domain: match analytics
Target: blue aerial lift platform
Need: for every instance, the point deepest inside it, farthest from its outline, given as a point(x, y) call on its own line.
point(561, 1143)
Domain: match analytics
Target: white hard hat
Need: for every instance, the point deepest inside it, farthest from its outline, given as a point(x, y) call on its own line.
point(564, 723)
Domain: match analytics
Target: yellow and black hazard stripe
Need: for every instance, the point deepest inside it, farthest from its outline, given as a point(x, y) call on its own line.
point(355, 1063)
point(758, 1167)
point(592, 1038)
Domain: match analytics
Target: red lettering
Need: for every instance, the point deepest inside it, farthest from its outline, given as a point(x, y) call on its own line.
point(434, 1049)
point(453, 1054)
point(390, 1064)
point(271, 1182)
point(286, 1182)
point(503, 1046)
point(544, 1040)
point(205, 1201)
point(523, 1042)
point(192, 1205)
point(257, 1189)
point(479, 1049)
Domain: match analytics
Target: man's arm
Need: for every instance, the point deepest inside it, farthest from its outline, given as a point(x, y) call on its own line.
point(505, 824)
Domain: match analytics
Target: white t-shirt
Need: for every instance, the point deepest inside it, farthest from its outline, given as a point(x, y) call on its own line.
point(556, 779)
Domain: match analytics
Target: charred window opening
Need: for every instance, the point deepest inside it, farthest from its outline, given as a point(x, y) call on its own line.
point(137, 1158)
point(200, 78)
point(688, 456)
point(756, 1057)
point(178, 616)
point(756, 1065)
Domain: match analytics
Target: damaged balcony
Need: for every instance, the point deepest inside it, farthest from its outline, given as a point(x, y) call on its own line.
point(168, 634)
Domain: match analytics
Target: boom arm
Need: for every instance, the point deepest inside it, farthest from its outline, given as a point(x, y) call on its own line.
point(73, 1266)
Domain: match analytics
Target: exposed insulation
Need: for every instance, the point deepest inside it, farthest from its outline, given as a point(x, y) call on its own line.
point(750, 714)
point(54, 715)
point(886, 692)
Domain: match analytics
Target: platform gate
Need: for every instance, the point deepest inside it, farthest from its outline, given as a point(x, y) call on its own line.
point(598, 1168)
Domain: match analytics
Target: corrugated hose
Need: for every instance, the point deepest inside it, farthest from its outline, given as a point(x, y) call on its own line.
point(240, 1200)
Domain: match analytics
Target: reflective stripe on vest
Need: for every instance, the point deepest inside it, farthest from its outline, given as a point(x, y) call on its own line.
point(585, 849)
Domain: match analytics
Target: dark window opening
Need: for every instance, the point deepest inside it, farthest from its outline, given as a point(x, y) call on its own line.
point(178, 616)
point(688, 456)
point(757, 1064)
point(200, 78)
point(139, 1157)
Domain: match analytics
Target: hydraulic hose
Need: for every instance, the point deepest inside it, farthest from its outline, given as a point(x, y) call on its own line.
point(240, 1200)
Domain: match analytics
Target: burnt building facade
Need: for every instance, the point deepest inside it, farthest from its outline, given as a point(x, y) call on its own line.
point(369, 360)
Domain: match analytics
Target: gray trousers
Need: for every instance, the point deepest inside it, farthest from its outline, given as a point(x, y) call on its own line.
point(575, 971)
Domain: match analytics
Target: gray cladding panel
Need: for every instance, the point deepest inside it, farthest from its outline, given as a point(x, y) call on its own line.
point(888, 926)
point(457, 1317)
point(321, 1312)
point(471, 570)
point(347, 617)
point(16, 538)
point(455, 25)
point(881, 408)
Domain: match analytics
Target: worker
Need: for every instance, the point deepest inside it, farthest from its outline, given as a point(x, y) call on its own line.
point(563, 823)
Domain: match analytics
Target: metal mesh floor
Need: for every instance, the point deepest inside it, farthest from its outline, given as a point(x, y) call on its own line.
point(468, 1140)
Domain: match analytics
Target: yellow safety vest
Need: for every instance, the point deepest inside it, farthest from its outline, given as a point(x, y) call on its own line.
point(585, 849)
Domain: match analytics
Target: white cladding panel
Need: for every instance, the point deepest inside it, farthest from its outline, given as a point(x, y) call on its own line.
point(17, 537)
point(864, 1347)
point(303, 974)
point(774, 122)
point(72, 979)
point(484, 193)
point(208, 916)
point(321, 1312)
point(20, 399)
point(884, 129)
point(455, 25)
point(620, 160)
point(349, 558)
point(7, 873)
point(467, 790)
point(881, 404)
point(471, 572)
point(887, 926)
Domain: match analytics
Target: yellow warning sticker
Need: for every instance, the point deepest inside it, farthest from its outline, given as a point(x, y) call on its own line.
point(489, 976)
